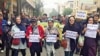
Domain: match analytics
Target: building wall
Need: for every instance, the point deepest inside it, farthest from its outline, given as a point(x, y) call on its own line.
point(28, 6)
point(1, 4)
point(97, 3)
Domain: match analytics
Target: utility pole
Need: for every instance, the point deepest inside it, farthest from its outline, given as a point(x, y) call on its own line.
point(18, 7)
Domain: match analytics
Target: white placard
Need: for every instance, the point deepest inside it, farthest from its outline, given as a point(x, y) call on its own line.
point(51, 38)
point(20, 34)
point(91, 30)
point(34, 38)
point(92, 26)
point(81, 14)
point(71, 34)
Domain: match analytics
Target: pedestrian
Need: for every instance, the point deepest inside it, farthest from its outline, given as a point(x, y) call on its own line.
point(96, 21)
point(3, 24)
point(18, 41)
point(36, 31)
point(52, 32)
point(72, 27)
point(13, 19)
point(63, 20)
point(44, 18)
point(5, 14)
point(79, 22)
point(8, 38)
point(89, 48)
point(25, 19)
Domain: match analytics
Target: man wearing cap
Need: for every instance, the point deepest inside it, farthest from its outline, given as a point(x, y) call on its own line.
point(35, 30)
point(51, 32)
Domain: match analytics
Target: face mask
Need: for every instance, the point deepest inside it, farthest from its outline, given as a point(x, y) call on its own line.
point(9, 22)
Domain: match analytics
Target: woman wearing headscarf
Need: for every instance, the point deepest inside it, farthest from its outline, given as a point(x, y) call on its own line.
point(18, 38)
point(71, 42)
point(89, 48)
point(35, 34)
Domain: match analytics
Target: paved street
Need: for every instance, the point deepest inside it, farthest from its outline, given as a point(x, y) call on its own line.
point(59, 52)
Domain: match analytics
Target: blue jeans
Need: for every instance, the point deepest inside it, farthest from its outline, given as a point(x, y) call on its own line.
point(68, 53)
point(50, 49)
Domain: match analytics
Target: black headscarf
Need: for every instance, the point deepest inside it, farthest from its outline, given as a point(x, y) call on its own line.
point(22, 28)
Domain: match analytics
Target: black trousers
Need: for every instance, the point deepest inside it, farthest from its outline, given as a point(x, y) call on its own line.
point(8, 48)
point(15, 52)
point(7, 51)
point(3, 42)
point(33, 51)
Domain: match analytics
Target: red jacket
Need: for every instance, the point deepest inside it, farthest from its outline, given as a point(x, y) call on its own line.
point(30, 30)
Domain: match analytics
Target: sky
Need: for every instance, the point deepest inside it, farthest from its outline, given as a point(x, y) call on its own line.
point(52, 3)
point(48, 5)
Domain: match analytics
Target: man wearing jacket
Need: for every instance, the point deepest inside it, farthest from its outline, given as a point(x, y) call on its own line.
point(3, 24)
point(33, 30)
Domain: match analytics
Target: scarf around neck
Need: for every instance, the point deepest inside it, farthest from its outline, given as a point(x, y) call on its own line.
point(22, 28)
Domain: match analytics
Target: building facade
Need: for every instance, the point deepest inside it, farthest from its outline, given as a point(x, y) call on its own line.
point(27, 6)
point(18, 6)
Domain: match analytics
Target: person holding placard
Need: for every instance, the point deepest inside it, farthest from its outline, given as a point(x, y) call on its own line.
point(51, 37)
point(90, 32)
point(18, 40)
point(71, 32)
point(35, 34)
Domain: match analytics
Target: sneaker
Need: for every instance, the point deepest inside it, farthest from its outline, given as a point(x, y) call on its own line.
point(2, 51)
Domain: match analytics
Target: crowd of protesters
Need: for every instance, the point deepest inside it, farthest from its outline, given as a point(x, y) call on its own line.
point(41, 28)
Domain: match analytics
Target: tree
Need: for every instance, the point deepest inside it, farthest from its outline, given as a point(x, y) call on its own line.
point(38, 6)
point(67, 11)
point(53, 13)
